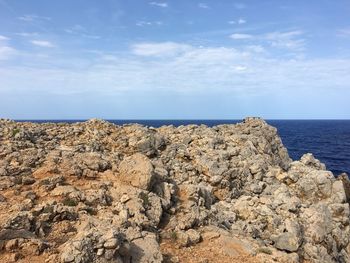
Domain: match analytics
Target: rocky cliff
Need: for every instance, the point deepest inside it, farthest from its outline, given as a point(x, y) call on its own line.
point(96, 192)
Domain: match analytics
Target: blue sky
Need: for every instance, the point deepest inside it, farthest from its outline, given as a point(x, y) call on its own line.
point(183, 59)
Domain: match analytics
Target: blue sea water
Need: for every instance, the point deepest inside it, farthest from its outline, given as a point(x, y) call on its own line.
point(328, 140)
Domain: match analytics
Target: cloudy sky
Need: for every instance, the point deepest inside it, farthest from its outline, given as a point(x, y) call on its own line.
point(175, 59)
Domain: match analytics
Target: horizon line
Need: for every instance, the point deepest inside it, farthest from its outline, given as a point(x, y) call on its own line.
point(177, 119)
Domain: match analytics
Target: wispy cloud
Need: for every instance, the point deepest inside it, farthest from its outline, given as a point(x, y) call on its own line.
point(75, 29)
point(159, 4)
point(149, 23)
point(32, 17)
point(3, 38)
point(240, 68)
point(159, 49)
point(288, 40)
point(255, 48)
point(6, 51)
point(238, 36)
point(239, 21)
point(27, 34)
point(91, 36)
point(179, 68)
point(203, 5)
point(345, 32)
point(81, 31)
point(42, 43)
point(242, 21)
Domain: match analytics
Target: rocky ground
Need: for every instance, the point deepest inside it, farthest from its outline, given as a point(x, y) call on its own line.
point(96, 192)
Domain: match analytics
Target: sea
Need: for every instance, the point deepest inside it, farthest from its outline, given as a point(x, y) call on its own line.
point(327, 140)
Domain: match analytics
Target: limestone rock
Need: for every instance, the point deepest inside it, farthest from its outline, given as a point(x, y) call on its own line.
point(98, 192)
point(137, 170)
point(144, 250)
point(288, 242)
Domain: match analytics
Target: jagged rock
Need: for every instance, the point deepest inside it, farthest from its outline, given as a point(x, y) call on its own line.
point(22, 221)
point(182, 238)
point(93, 234)
point(287, 241)
point(309, 160)
point(193, 236)
point(97, 192)
point(165, 191)
point(65, 190)
point(111, 243)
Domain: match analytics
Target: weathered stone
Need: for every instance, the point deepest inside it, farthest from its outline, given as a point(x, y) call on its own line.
point(310, 160)
point(193, 236)
point(11, 244)
point(111, 243)
point(91, 188)
point(124, 198)
point(67, 257)
point(145, 250)
point(136, 170)
point(28, 180)
point(182, 239)
point(287, 241)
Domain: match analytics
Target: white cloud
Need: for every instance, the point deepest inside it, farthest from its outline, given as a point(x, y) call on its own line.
point(3, 38)
point(283, 35)
point(238, 36)
point(209, 56)
point(289, 40)
point(26, 34)
point(286, 40)
point(149, 23)
point(30, 18)
point(75, 29)
point(159, 49)
point(240, 68)
point(42, 43)
point(192, 70)
point(81, 31)
point(203, 5)
point(159, 4)
point(242, 21)
point(6, 51)
point(255, 48)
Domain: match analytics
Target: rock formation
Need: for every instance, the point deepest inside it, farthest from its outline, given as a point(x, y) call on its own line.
point(97, 192)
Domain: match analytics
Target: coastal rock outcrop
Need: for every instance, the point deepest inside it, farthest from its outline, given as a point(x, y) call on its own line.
point(97, 192)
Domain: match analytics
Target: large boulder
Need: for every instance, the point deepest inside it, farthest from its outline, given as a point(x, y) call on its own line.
point(137, 170)
point(145, 250)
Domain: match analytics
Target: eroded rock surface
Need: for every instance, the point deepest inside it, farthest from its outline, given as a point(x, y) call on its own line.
point(97, 192)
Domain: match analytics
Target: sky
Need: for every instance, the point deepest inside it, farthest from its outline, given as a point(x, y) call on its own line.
point(174, 59)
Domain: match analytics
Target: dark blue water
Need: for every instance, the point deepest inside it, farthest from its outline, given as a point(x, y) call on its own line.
point(328, 140)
